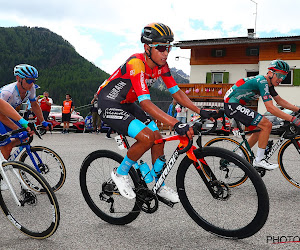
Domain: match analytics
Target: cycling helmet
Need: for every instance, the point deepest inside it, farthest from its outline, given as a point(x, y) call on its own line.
point(25, 71)
point(157, 32)
point(279, 65)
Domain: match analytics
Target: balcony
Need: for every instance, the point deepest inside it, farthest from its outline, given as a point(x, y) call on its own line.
point(205, 92)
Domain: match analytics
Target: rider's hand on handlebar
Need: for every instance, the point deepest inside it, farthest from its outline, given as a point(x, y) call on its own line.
point(183, 129)
point(296, 121)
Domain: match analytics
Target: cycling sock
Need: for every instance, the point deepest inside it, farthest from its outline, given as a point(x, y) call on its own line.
point(125, 165)
point(260, 154)
point(157, 168)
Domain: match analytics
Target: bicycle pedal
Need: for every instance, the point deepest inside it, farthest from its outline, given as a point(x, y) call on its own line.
point(165, 201)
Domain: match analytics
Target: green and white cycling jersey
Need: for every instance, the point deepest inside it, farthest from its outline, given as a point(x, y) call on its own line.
point(248, 89)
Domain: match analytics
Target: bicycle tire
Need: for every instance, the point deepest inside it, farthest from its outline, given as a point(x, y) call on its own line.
point(235, 177)
point(52, 167)
point(288, 152)
point(95, 177)
point(39, 216)
point(244, 211)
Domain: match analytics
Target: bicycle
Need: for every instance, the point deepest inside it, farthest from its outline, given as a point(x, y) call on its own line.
point(35, 214)
point(211, 203)
point(289, 148)
point(46, 161)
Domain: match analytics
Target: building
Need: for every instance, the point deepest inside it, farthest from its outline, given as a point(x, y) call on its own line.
point(216, 64)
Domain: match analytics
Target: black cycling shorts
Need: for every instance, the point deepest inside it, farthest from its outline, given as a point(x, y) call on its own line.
point(119, 116)
point(66, 117)
point(246, 116)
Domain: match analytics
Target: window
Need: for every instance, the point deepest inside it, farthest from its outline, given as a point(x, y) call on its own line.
point(217, 78)
point(218, 52)
point(252, 73)
point(286, 48)
point(288, 79)
point(252, 51)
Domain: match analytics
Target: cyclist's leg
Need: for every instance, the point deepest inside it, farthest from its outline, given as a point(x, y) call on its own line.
point(250, 117)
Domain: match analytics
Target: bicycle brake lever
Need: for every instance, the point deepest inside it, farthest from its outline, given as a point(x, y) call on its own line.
point(33, 128)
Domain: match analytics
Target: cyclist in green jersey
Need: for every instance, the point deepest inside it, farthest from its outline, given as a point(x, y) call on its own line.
point(251, 88)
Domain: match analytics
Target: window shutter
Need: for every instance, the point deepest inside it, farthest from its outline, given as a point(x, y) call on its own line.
point(280, 48)
point(296, 76)
point(293, 47)
point(213, 52)
point(248, 52)
point(208, 77)
point(226, 77)
point(223, 52)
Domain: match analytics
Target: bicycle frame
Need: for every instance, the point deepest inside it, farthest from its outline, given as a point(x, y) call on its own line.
point(275, 146)
point(13, 156)
point(4, 176)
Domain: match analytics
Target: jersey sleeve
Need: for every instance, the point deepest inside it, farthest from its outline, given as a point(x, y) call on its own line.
point(32, 95)
point(5, 95)
point(136, 68)
point(169, 80)
point(264, 90)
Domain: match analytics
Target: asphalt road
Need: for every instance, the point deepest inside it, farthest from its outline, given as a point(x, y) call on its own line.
point(168, 228)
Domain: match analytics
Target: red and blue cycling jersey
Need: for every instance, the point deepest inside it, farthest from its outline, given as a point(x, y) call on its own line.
point(131, 81)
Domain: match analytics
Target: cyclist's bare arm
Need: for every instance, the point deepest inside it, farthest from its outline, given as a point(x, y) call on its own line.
point(37, 110)
point(9, 111)
point(285, 104)
point(276, 111)
point(185, 101)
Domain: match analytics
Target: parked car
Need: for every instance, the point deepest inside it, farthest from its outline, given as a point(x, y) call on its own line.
point(277, 123)
point(208, 124)
point(55, 117)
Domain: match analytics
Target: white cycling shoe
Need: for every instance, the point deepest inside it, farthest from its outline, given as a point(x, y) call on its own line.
point(123, 184)
point(264, 164)
point(168, 193)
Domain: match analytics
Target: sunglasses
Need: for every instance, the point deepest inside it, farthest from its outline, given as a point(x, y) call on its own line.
point(29, 81)
point(280, 76)
point(161, 47)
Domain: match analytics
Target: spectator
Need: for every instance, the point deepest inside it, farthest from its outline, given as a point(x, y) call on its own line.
point(45, 103)
point(172, 112)
point(95, 116)
point(181, 113)
point(67, 109)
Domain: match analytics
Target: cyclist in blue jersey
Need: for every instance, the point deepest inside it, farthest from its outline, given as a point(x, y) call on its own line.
point(131, 83)
point(15, 94)
point(251, 88)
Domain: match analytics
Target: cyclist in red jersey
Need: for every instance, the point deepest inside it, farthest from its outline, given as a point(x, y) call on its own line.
point(117, 107)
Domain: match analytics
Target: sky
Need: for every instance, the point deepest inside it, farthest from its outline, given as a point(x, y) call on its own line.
point(107, 32)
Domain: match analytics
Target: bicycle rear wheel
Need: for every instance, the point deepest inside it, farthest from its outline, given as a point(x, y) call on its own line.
point(101, 193)
point(50, 164)
point(227, 212)
point(288, 160)
point(38, 216)
point(234, 176)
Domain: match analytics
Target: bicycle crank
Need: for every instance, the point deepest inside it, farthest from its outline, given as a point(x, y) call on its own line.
point(146, 200)
point(220, 190)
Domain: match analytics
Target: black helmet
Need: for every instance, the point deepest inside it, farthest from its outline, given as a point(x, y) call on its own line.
point(157, 32)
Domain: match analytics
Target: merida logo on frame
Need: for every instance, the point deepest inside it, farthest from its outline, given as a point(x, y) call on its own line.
point(283, 239)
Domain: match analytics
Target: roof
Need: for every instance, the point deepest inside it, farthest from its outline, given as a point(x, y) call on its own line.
point(235, 40)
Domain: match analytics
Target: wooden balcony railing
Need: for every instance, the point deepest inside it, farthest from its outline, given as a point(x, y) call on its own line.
point(204, 91)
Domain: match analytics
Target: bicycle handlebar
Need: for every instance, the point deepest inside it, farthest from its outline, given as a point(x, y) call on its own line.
point(197, 127)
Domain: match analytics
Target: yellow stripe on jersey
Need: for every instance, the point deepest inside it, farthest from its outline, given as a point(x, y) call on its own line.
point(136, 66)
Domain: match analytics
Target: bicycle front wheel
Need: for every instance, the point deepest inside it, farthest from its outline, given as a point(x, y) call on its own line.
point(101, 193)
point(38, 214)
point(234, 176)
point(227, 212)
point(288, 160)
point(49, 163)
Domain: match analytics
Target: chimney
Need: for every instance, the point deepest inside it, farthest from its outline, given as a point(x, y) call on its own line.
point(251, 33)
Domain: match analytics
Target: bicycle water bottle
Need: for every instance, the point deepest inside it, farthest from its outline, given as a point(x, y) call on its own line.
point(158, 166)
point(145, 170)
point(269, 146)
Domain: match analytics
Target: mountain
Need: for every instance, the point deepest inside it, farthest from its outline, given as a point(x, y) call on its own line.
point(178, 75)
point(61, 69)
